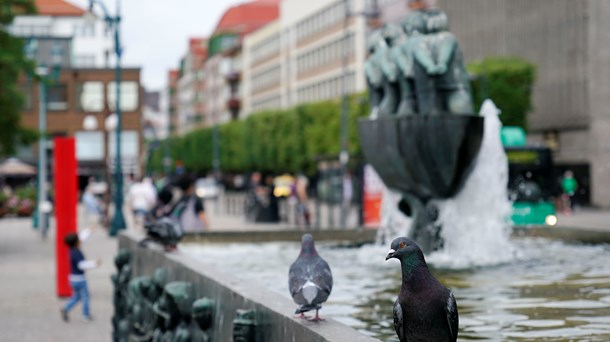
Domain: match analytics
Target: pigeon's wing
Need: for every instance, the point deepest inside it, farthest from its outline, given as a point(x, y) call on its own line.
point(399, 321)
point(297, 277)
point(452, 315)
point(322, 276)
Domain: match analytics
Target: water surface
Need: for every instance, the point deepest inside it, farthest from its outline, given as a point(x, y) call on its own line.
point(551, 292)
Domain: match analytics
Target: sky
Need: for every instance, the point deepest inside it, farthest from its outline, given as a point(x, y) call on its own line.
point(154, 33)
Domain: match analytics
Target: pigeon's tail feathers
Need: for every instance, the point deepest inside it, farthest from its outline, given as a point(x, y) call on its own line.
point(305, 308)
point(399, 321)
point(310, 291)
point(452, 316)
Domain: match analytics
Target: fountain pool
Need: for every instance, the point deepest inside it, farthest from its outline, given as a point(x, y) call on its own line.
point(550, 291)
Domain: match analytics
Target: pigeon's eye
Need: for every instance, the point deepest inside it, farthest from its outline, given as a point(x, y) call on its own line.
point(401, 245)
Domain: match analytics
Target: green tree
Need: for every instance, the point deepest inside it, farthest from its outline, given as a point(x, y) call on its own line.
point(508, 82)
point(288, 140)
point(12, 64)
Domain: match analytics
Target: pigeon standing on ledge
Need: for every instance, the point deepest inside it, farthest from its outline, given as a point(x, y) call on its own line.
point(309, 279)
point(425, 310)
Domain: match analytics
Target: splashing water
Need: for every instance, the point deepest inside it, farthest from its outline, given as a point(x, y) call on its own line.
point(475, 222)
point(393, 222)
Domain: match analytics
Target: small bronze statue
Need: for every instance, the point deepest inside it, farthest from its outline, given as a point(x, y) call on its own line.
point(244, 326)
point(203, 318)
point(120, 280)
point(392, 35)
point(442, 69)
point(138, 305)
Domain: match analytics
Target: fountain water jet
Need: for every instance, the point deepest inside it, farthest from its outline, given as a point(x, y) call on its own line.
point(476, 227)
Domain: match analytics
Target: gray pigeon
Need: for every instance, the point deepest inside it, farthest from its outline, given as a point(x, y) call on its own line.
point(309, 279)
point(425, 310)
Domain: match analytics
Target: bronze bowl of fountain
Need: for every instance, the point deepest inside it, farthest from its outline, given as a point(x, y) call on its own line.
point(426, 156)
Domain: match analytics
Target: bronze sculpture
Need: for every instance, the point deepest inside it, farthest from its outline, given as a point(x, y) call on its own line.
point(424, 146)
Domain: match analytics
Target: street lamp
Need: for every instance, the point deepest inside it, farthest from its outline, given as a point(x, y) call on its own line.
point(118, 221)
point(43, 207)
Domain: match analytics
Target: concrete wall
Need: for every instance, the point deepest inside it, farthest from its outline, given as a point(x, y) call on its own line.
point(599, 90)
point(551, 35)
point(275, 313)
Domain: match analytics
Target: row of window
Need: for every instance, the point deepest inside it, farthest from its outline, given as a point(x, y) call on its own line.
point(323, 19)
point(325, 54)
point(273, 102)
point(89, 96)
point(328, 89)
point(84, 30)
point(84, 61)
point(266, 48)
point(266, 78)
point(380, 3)
point(30, 30)
point(79, 30)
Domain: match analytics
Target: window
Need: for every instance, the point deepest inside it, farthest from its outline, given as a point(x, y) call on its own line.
point(130, 145)
point(90, 97)
point(84, 61)
point(89, 145)
point(129, 96)
point(84, 30)
point(57, 97)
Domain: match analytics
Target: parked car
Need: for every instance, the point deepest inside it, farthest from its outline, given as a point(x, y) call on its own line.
point(207, 188)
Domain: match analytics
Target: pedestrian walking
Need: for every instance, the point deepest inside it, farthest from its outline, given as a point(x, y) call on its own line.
point(78, 282)
point(93, 209)
point(193, 217)
point(141, 199)
point(303, 214)
point(569, 186)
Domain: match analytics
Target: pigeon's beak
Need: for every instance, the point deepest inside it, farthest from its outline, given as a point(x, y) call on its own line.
point(390, 254)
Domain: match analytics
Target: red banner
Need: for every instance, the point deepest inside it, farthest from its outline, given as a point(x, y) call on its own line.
point(66, 187)
point(372, 196)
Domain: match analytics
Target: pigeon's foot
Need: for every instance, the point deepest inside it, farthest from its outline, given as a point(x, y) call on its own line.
point(317, 318)
point(302, 316)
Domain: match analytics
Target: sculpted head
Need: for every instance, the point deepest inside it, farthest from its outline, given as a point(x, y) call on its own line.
point(375, 41)
point(415, 23)
point(437, 21)
point(392, 33)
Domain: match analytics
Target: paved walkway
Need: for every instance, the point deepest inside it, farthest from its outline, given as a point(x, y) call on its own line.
point(29, 307)
point(586, 218)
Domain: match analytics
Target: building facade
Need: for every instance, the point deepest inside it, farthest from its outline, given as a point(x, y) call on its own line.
point(219, 94)
point(172, 102)
point(300, 57)
point(191, 87)
point(265, 62)
point(79, 93)
point(78, 55)
point(92, 43)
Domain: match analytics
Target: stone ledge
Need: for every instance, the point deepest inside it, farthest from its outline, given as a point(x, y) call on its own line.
point(274, 312)
point(352, 236)
point(584, 235)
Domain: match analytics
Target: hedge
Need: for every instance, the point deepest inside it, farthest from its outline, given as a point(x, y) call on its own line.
point(508, 82)
point(288, 140)
point(291, 140)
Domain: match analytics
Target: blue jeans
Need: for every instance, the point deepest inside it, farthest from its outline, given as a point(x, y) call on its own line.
point(80, 292)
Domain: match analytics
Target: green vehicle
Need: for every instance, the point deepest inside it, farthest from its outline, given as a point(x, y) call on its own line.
point(531, 180)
